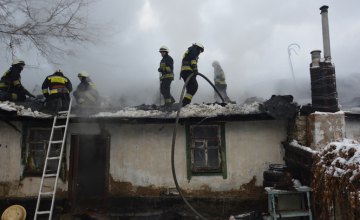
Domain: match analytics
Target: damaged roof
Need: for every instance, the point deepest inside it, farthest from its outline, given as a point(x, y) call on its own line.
point(253, 110)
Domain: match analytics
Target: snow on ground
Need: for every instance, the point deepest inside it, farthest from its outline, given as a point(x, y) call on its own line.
point(342, 158)
point(201, 110)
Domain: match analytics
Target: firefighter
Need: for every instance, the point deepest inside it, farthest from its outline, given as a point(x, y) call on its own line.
point(167, 75)
point(86, 93)
point(10, 83)
point(189, 66)
point(56, 88)
point(220, 84)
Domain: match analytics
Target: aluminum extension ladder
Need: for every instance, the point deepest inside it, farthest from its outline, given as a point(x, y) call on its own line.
point(44, 191)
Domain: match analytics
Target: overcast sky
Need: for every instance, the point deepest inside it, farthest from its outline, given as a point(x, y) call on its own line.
point(250, 39)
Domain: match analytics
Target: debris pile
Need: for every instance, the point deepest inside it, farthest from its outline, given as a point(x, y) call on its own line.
point(336, 182)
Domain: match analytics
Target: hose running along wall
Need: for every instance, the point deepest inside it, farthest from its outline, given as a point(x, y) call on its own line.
point(174, 140)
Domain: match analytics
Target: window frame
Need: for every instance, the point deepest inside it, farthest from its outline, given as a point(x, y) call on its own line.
point(222, 171)
point(28, 127)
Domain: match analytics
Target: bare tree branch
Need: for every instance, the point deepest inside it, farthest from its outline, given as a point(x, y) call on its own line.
point(43, 23)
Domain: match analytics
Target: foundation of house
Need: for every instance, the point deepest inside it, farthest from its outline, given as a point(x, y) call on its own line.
point(163, 207)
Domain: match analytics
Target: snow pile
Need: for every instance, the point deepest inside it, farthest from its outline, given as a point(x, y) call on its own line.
point(342, 159)
point(21, 110)
point(8, 106)
point(294, 143)
point(201, 110)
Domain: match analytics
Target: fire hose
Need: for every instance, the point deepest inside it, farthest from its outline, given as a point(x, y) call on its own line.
point(174, 140)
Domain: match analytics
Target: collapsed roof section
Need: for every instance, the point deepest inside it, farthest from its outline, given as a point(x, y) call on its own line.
point(278, 107)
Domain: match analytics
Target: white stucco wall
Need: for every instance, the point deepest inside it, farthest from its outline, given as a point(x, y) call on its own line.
point(10, 152)
point(140, 154)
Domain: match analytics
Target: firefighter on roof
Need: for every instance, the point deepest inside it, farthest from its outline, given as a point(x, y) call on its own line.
point(10, 83)
point(86, 93)
point(167, 75)
point(56, 88)
point(219, 81)
point(189, 66)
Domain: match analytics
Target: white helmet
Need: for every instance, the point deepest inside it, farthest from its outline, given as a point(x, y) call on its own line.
point(164, 49)
point(83, 74)
point(200, 46)
point(18, 61)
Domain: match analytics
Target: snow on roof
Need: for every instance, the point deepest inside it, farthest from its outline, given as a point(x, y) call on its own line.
point(192, 110)
point(21, 110)
point(342, 158)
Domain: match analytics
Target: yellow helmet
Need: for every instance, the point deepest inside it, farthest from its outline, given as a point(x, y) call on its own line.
point(200, 46)
point(18, 61)
point(164, 49)
point(83, 74)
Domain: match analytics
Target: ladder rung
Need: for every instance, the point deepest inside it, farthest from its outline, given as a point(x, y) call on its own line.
point(43, 212)
point(60, 126)
point(53, 158)
point(50, 175)
point(63, 112)
point(56, 142)
point(47, 193)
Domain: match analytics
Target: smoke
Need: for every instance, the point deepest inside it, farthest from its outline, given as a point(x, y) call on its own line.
point(249, 39)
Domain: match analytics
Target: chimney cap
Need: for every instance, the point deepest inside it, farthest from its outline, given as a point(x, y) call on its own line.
point(324, 8)
point(315, 51)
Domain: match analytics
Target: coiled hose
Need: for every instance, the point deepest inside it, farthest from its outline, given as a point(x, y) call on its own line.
point(174, 140)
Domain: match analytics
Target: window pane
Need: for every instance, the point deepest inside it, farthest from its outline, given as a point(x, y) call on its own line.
point(204, 131)
point(37, 147)
point(36, 163)
point(199, 158)
point(213, 144)
point(213, 158)
point(199, 144)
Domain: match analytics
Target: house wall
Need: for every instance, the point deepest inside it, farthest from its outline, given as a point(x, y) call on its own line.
point(10, 157)
point(140, 158)
point(352, 128)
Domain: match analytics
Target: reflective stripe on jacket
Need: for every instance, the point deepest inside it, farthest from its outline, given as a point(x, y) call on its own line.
point(166, 67)
point(56, 83)
point(189, 61)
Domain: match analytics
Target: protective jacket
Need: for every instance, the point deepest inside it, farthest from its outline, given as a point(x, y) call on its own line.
point(56, 85)
point(86, 93)
point(219, 76)
point(189, 61)
point(11, 83)
point(189, 66)
point(166, 67)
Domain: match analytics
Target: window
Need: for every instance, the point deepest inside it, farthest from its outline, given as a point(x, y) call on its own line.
point(35, 147)
point(206, 150)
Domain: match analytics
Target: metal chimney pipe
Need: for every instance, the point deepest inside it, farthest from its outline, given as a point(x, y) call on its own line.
point(325, 32)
